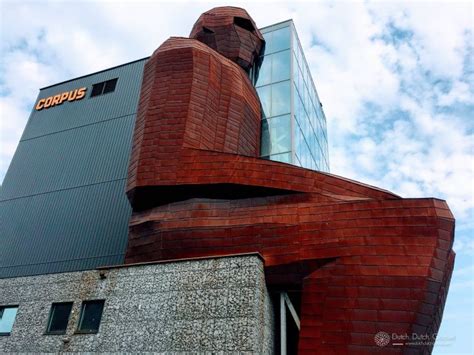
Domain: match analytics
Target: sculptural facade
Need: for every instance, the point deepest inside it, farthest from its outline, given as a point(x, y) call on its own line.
point(364, 259)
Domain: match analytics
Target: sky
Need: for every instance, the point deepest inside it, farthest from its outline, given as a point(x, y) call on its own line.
point(395, 79)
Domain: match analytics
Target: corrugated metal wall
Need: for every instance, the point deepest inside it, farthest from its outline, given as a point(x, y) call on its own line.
point(62, 204)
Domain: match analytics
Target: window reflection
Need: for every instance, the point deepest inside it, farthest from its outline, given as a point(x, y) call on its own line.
point(276, 135)
point(7, 318)
point(284, 158)
point(265, 95)
point(274, 88)
point(264, 75)
point(281, 66)
point(280, 39)
point(281, 96)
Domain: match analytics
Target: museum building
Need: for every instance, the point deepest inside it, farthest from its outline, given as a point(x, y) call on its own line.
point(183, 202)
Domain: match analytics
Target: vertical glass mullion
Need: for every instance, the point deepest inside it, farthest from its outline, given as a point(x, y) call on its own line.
point(292, 94)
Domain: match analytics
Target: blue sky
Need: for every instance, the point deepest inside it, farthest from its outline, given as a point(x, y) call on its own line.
point(395, 79)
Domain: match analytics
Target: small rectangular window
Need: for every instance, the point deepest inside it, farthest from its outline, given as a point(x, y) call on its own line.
point(89, 319)
point(104, 87)
point(7, 318)
point(110, 86)
point(97, 89)
point(58, 318)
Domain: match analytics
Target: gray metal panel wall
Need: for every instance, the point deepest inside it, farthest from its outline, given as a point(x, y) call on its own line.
point(62, 204)
point(123, 101)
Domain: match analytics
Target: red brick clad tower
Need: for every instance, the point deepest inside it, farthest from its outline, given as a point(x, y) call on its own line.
point(364, 259)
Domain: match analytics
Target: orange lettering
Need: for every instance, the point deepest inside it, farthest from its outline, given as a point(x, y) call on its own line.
point(56, 99)
point(60, 98)
point(81, 93)
point(48, 101)
point(64, 96)
point(72, 95)
point(39, 105)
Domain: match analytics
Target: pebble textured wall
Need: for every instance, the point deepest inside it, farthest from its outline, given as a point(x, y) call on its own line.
point(208, 305)
point(365, 259)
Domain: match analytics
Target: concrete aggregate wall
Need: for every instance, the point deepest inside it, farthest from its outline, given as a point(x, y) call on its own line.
point(209, 305)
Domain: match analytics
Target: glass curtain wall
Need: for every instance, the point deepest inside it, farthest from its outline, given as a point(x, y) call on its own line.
point(293, 122)
point(274, 89)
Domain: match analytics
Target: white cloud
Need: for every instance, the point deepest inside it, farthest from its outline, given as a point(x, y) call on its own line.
point(418, 151)
point(13, 119)
point(363, 75)
point(458, 93)
point(382, 94)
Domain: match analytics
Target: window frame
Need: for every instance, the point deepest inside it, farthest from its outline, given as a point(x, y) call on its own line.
point(2, 309)
point(114, 81)
point(103, 85)
point(81, 317)
point(50, 319)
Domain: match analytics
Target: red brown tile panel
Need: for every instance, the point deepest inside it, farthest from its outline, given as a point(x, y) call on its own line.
point(365, 259)
point(231, 32)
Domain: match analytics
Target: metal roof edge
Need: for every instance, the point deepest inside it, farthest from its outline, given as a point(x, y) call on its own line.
point(94, 73)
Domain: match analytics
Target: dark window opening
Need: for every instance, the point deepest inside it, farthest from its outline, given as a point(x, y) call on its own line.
point(97, 89)
point(244, 23)
point(89, 319)
point(7, 318)
point(110, 86)
point(104, 87)
point(58, 318)
point(292, 332)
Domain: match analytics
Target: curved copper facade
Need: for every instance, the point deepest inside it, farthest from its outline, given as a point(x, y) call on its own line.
point(364, 259)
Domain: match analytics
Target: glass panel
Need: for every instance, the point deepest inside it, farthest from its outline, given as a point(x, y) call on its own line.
point(311, 140)
point(281, 95)
point(299, 141)
point(280, 39)
point(265, 73)
point(298, 51)
point(265, 142)
point(7, 318)
point(304, 69)
point(300, 84)
point(91, 314)
point(312, 118)
point(268, 42)
point(284, 158)
point(295, 69)
point(281, 66)
point(307, 76)
point(305, 97)
point(309, 135)
point(97, 89)
point(306, 156)
point(110, 86)
point(59, 317)
point(265, 95)
point(299, 110)
point(297, 162)
point(276, 135)
point(304, 124)
point(317, 157)
point(299, 81)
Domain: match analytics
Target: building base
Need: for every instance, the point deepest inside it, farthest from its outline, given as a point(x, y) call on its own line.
point(208, 305)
